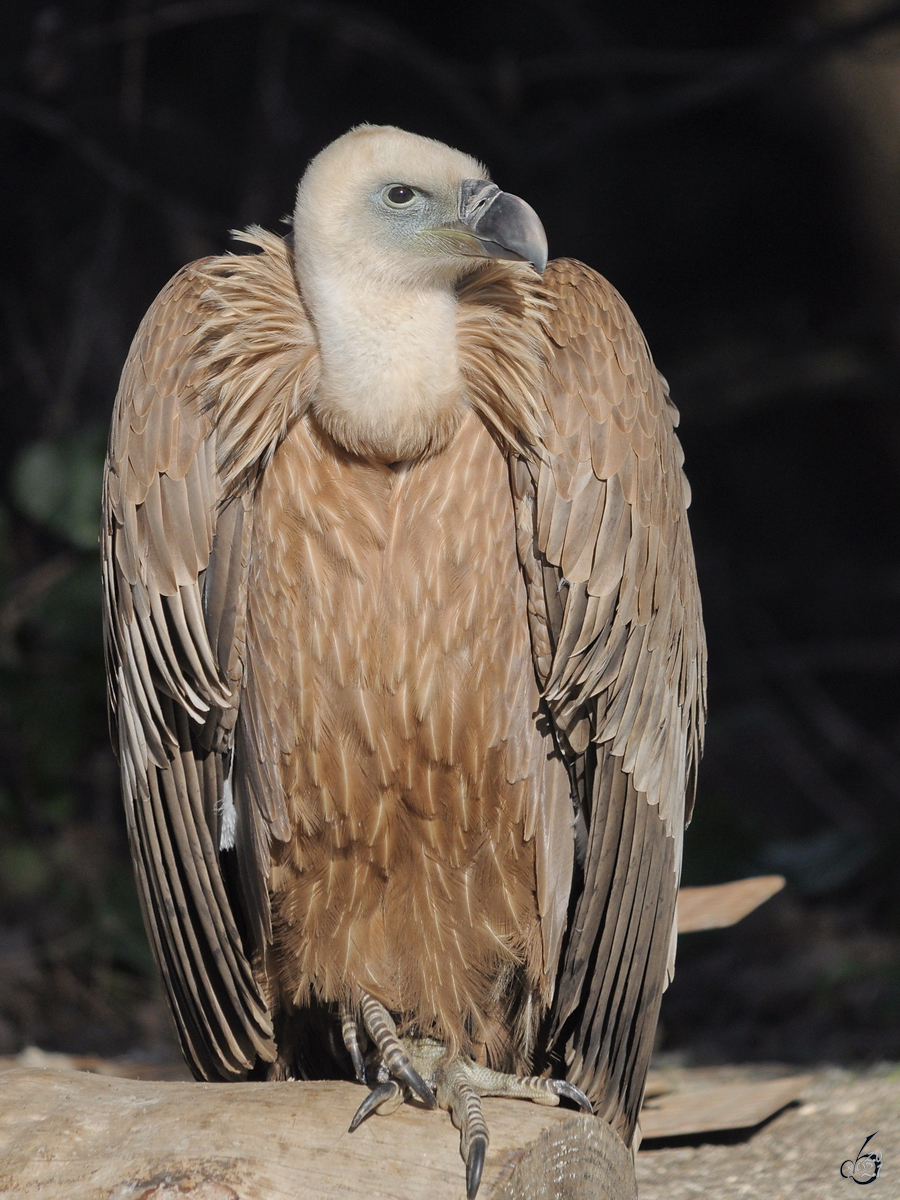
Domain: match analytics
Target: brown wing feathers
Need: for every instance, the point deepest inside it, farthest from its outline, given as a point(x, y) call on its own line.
point(616, 625)
point(175, 564)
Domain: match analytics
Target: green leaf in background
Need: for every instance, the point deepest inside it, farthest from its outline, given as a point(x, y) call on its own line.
point(57, 483)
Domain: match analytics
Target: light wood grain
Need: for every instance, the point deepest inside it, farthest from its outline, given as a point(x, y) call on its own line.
point(725, 903)
point(66, 1135)
point(712, 1109)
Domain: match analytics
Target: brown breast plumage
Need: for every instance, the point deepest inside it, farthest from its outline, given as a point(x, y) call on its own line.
point(391, 660)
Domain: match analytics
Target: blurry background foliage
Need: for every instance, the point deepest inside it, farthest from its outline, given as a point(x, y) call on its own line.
point(733, 169)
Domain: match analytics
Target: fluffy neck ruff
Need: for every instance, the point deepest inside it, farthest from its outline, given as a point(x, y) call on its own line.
point(390, 386)
point(263, 360)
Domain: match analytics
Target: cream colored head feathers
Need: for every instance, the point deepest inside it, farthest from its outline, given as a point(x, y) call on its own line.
point(344, 220)
point(386, 225)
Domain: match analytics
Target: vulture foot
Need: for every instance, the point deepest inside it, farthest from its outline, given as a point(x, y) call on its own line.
point(459, 1085)
point(418, 1065)
point(394, 1061)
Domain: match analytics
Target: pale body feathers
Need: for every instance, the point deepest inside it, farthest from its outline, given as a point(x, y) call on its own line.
point(396, 391)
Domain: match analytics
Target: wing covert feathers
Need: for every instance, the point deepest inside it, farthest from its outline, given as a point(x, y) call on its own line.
point(216, 376)
point(619, 652)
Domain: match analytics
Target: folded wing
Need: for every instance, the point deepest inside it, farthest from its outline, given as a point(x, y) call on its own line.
point(204, 398)
point(619, 652)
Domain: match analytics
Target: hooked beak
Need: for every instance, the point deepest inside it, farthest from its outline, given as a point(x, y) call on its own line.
point(502, 225)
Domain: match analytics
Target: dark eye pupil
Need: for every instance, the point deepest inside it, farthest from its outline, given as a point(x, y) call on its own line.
point(400, 195)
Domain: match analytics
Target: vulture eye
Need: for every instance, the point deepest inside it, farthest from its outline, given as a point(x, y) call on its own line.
point(400, 195)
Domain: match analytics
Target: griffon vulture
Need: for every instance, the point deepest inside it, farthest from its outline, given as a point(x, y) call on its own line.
point(405, 650)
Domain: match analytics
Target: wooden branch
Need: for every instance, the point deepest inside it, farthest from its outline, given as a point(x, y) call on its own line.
point(724, 903)
point(71, 1136)
point(715, 1109)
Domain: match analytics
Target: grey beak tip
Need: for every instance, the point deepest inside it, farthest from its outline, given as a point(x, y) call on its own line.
point(506, 226)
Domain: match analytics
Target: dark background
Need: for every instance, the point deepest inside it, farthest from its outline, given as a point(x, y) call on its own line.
point(734, 169)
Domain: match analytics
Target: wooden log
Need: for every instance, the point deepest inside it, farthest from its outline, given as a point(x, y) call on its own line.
point(724, 903)
point(715, 1109)
point(66, 1135)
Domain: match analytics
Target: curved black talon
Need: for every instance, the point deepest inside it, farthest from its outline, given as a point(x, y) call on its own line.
point(359, 1066)
point(414, 1081)
point(381, 1029)
point(563, 1088)
point(475, 1165)
point(374, 1100)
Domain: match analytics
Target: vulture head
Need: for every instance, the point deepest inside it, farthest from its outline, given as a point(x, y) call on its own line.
point(386, 225)
point(407, 210)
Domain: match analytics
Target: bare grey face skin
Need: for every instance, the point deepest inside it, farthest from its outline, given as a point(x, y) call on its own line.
point(486, 222)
